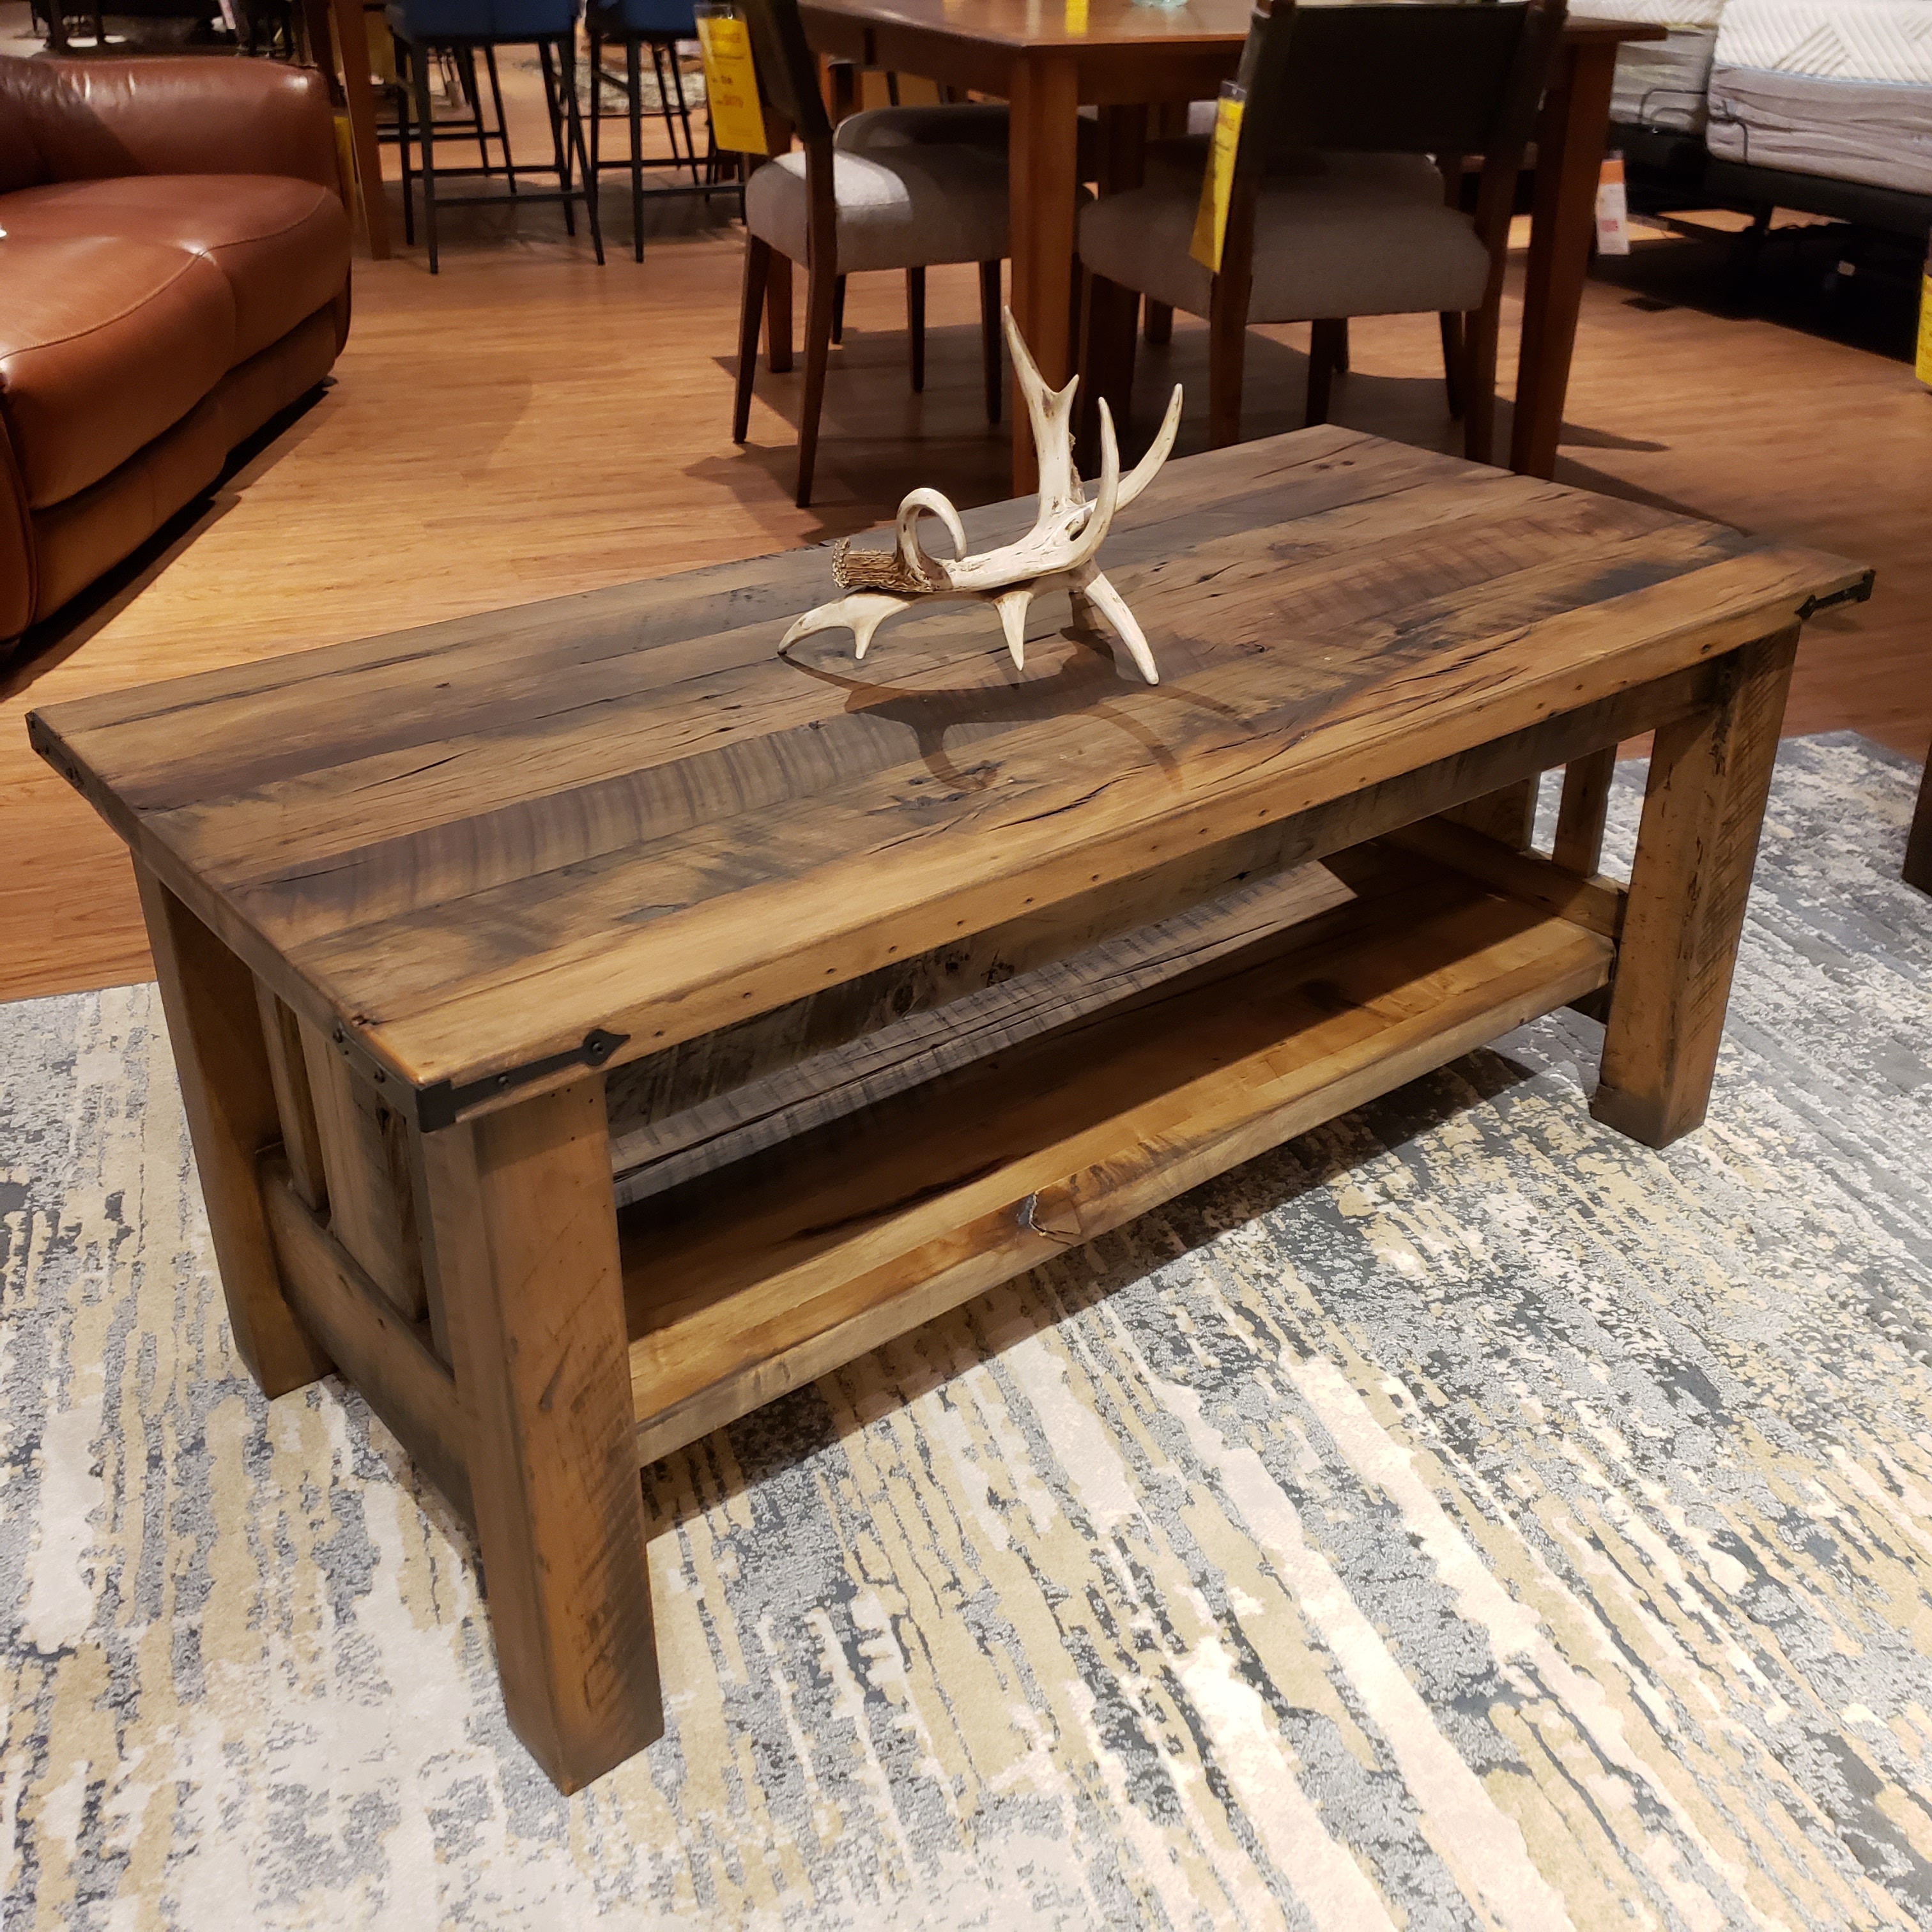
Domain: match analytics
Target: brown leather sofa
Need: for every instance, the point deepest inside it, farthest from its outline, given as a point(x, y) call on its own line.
point(174, 270)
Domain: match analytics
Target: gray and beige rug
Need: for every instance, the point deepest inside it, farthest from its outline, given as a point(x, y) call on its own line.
point(1463, 1518)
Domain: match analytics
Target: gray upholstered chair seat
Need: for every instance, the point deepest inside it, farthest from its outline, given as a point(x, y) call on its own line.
point(898, 208)
point(1349, 241)
point(975, 124)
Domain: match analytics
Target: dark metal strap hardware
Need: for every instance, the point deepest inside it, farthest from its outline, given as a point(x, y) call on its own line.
point(442, 1105)
point(1859, 593)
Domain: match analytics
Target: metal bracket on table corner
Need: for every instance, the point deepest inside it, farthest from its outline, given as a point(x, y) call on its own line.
point(1859, 592)
point(442, 1106)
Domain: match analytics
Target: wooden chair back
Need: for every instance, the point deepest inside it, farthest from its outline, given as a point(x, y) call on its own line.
point(787, 70)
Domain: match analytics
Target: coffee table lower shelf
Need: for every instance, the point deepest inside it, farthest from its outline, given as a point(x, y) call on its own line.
point(749, 1281)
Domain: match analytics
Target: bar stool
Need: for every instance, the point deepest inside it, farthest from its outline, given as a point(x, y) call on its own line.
point(425, 27)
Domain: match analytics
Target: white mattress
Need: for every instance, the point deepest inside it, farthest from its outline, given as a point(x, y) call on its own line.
point(1841, 88)
point(1888, 41)
point(1654, 12)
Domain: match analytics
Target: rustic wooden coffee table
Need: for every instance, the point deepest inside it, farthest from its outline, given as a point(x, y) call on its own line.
point(862, 989)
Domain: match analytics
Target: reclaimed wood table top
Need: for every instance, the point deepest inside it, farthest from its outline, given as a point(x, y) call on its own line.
point(471, 847)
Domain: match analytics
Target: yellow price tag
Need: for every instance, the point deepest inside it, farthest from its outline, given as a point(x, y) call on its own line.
point(730, 83)
point(1211, 218)
point(1076, 17)
point(1925, 331)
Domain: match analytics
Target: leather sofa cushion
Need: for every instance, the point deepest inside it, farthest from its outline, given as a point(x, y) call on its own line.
point(103, 344)
point(282, 245)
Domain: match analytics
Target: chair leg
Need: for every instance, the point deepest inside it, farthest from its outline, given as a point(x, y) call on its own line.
point(683, 113)
point(635, 72)
point(915, 326)
point(426, 131)
point(596, 102)
point(502, 126)
point(777, 315)
point(466, 58)
point(1479, 371)
point(989, 337)
point(1341, 356)
point(1452, 361)
point(404, 109)
point(1323, 347)
point(820, 284)
point(838, 311)
point(750, 307)
point(1227, 357)
point(545, 54)
point(1109, 363)
point(1159, 323)
point(573, 111)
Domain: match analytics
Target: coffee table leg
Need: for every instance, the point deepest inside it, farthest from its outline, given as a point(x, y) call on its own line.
point(523, 1237)
point(1710, 774)
point(222, 1060)
point(1919, 842)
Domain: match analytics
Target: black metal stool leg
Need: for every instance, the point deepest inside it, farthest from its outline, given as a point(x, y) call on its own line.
point(405, 56)
point(633, 67)
point(426, 132)
point(502, 126)
point(466, 67)
point(573, 121)
point(545, 49)
point(683, 113)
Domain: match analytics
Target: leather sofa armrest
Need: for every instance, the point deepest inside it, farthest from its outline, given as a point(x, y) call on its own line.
point(91, 119)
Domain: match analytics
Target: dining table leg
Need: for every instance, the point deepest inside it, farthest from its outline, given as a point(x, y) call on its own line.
point(1043, 144)
point(1569, 139)
point(352, 35)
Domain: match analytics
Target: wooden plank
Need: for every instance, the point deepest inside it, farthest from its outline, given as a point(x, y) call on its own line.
point(364, 1146)
point(796, 1094)
point(662, 1085)
point(295, 1104)
point(381, 1354)
point(229, 1094)
point(839, 1242)
point(1596, 904)
point(1507, 816)
point(1586, 805)
point(1710, 774)
point(524, 1239)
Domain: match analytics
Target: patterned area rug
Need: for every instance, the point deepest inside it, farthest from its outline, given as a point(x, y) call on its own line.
point(1463, 1517)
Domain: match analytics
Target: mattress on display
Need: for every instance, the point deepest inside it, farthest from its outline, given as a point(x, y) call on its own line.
point(1661, 84)
point(1837, 88)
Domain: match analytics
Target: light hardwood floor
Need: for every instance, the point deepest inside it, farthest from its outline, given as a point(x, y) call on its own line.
point(527, 425)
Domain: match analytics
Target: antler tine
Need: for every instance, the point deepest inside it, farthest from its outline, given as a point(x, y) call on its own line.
point(1049, 413)
point(912, 554)
point(1107, 498)
point(1143, 472)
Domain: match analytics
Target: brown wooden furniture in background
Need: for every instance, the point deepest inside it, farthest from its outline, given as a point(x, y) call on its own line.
point(451, 926)
point(1048, 60)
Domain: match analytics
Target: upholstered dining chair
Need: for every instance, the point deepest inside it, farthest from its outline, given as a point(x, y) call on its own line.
point(1332, 209)
point(423, 28)
point(842, 211)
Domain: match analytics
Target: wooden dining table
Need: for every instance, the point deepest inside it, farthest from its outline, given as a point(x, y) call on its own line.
point(1049, 58)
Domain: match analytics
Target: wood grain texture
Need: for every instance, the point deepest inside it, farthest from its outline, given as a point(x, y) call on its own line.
point(1581, 812)
point(365, 1157)
point(215, 1027)
point(294, 1101)
point(470, 846)
point(524, 1240)
point(1710, 773)
point(756, 1278)
point(385, 1358)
